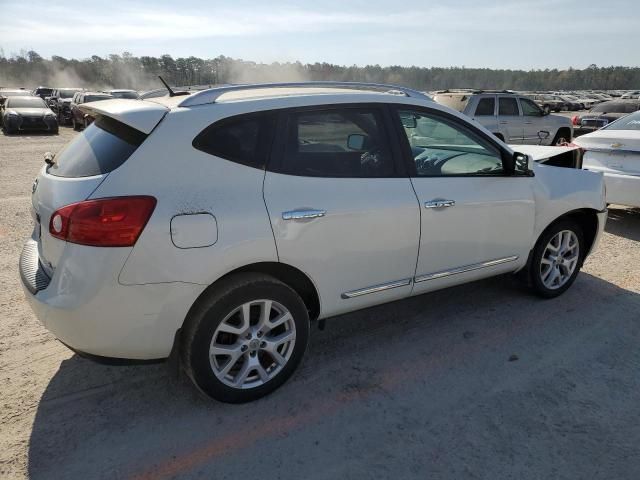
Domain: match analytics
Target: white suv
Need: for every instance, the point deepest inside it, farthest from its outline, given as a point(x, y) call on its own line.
point(221, 223)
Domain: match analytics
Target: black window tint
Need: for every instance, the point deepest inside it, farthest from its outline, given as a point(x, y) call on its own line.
point(101, 148)
point(238, 139)
point(486, 106)
point(507, 106)
point(337, 143)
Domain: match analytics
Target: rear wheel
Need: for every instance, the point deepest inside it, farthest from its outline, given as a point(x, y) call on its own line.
point(557, 259)
point(246, 339)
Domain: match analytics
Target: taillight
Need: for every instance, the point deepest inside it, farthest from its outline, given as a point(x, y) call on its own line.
point(105, 222)
point(575, 119)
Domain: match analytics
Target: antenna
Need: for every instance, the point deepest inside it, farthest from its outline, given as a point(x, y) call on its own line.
point(171, 92)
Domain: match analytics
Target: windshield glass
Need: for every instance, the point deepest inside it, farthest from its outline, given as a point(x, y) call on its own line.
point(66, 93)
point(630, 122)
point(25, 102)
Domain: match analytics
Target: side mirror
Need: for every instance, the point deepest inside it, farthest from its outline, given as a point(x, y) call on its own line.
point(355, 141)
point(516, 164)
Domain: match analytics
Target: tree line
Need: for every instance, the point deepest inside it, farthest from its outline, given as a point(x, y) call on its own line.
point(29, 69)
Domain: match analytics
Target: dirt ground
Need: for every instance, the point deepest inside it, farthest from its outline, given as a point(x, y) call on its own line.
point(479, 381)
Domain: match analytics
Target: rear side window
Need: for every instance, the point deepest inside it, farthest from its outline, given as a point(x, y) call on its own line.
point(243, 139)
point(486, 106)
point(348, 142)
point(101, 148)
point(508, 107)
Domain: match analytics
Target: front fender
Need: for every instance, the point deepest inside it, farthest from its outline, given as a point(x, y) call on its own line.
point(558, 191)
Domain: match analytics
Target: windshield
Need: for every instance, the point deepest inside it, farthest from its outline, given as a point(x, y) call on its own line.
point(25, 102)
point(66, 93)
point(95, 98)
point(630, 122)
point(132, 95)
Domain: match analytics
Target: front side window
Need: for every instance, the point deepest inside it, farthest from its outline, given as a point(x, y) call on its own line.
point(529, 108)
point(349, 142)
point(486, 106)
point(508, 107)
point(238, 139)
point(440, 147)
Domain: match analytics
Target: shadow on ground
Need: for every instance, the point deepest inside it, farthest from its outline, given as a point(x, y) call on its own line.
point(624, 222)
point(422, 388)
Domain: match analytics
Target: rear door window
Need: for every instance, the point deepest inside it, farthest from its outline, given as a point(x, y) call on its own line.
point(337, 142)
point(508, 107)
point(101, 148)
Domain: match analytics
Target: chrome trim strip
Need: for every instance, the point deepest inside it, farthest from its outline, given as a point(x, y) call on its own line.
point(464, 269)
point(377, 288)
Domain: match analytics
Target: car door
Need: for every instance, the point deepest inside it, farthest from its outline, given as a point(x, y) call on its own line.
point(341, 207)
point(476, 220)
point(510, 119)
point(534, 129)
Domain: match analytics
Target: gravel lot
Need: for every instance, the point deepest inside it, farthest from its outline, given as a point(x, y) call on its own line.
point(479, 381)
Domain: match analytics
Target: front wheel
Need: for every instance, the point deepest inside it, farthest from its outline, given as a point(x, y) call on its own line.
point(246, 338)
point(557, 259)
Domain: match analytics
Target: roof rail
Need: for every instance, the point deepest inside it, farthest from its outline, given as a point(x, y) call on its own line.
point(211, 95)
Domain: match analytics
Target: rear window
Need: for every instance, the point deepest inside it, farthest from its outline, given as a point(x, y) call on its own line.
point(101, 148)
point(630, 122)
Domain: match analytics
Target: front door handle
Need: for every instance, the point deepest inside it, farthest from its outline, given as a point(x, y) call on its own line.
point(439, 203)
point(303, 214)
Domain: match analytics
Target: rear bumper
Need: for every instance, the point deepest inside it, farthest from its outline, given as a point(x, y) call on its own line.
point(86, 308)
point(623, 189)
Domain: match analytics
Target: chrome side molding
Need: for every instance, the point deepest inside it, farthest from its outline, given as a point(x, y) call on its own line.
point(464, 269)
point(377, 288)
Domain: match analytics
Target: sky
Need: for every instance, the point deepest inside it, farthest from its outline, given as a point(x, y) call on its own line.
point(519, 34)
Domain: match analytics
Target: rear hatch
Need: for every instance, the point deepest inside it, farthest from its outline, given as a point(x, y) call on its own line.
point(85, 162)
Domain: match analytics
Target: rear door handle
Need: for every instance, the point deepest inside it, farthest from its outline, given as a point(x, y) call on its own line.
point(303, 214)
point(439, 203)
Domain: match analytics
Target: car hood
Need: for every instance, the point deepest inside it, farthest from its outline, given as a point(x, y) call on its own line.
point(30, 112)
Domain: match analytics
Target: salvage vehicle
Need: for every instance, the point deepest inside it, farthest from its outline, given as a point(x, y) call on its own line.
point(215, 226)
point(21, 114)
point(80, 119)
point(60, 103)
point(614, 150)
point(123, 93)
point(512, 118)
point(603, 114)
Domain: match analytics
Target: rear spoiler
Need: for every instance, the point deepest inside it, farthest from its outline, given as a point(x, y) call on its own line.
point(143, 116)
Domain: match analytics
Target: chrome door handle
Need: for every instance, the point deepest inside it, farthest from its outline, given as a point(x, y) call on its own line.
point(303, 214)
point(439, 203)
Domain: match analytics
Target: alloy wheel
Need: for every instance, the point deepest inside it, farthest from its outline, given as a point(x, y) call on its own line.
point(559, 259)
point(252, 344)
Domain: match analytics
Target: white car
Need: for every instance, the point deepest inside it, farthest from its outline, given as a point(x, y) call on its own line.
point(221, 223)
point(614, 150)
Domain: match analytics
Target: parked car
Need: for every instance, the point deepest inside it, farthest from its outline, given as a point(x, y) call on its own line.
point(27, 113)
point(603, 114)
point(80, 119)
point(512, 118)
point(60, 103)
point(123, 93)
point(42, 92)
point(223, 221)
point(614, 150)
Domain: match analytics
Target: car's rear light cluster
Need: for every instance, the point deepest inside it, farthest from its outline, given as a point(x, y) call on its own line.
point(104, 222)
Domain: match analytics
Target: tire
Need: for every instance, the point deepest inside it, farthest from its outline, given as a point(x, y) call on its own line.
point(220, 316)
point(540, 271)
